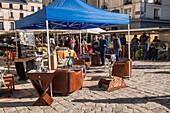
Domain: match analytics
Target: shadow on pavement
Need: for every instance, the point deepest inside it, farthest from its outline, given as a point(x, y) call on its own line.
point(16, 104)
point(146, 67)
point(163, 100)
point(19, 93)
point(158, 72)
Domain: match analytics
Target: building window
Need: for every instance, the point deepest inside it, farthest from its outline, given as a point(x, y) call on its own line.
point(126, 2)
point(21, 6)
point(116, 11)
point(104, 5)
point(21, 15)
point(156, 13)
point(10, 6)
point(1, 26)
point(0, 5)
point(32, 8)
point(12, 25)
point(11, 15)
point(157, 2)
point(128, 11)
point(1, 14)
point(39, 8)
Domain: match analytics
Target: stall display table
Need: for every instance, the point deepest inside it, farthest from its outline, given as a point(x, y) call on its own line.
point(41, 82)
point(24, 65)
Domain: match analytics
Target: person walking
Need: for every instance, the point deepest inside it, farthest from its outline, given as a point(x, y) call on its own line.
point(123, 45)
point(103, 47)
point(143, 42)
point(135, 43)
point(116, 47)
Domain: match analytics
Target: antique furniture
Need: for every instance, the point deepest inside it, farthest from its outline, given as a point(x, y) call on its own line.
point(67, 80)
point(8, 81)
point(10, 77)
point(95, 59)
point(80, 63)
point(119, 70)
point(41, 82)
point(24, 65)
point(87, 62)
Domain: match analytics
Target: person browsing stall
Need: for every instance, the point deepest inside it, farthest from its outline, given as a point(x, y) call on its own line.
point(116, 47)
point(103, 47)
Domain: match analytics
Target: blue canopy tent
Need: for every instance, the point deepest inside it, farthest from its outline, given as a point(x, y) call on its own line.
point(71, 15)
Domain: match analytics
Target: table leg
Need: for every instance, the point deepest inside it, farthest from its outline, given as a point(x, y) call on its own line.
point(43, 100)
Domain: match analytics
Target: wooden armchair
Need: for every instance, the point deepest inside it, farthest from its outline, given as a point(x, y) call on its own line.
point(67, 81)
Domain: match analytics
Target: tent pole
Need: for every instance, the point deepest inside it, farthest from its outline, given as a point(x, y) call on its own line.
point(16, 39)
point(86, 35)
point(49, 59)
point(129, 48)
point(80, 44)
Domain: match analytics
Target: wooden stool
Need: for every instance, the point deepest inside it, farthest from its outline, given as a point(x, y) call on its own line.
point(9, 83)
point(10, 77)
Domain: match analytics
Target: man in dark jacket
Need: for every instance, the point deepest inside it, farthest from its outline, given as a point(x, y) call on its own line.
point(116, 47)
point(143, 43)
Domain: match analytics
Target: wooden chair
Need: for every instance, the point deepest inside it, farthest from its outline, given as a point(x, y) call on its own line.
point(80, 63)
point(9, 83)
point(67, 80)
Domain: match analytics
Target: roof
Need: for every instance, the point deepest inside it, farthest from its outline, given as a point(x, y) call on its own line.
point(150, 30)
point(71, 14)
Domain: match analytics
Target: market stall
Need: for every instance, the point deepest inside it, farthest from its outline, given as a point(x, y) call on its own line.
point(70, 14)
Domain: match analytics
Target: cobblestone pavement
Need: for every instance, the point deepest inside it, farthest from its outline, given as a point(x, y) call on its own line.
point(148, 91)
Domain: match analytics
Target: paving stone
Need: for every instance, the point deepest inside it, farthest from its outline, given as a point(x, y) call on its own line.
point(11, 110)
point(1, 110)
point(22, 109)
point(50, 110)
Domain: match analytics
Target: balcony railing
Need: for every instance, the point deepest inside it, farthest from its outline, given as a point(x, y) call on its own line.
point(157, 17)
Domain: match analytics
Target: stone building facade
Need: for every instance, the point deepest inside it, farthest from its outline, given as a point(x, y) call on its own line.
point(12, 10)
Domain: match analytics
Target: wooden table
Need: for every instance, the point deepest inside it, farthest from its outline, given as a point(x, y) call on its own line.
point(41, 82)
point(24, 65)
